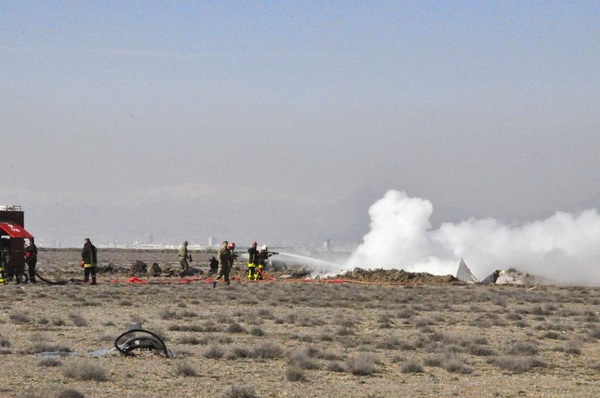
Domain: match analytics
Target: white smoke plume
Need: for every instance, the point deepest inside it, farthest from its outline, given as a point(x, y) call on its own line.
point(564, 248)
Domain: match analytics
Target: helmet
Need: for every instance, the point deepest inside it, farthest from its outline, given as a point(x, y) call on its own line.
point(232, 244)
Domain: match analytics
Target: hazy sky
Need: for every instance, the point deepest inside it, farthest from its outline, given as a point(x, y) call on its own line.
point(284, 121)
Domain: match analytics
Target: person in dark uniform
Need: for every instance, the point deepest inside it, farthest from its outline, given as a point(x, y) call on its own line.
point(225, 261)
point(214, 265)
point(89, 260)
point(184, 257)
point(31, 253)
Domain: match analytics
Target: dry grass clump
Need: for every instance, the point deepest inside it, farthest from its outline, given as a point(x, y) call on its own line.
point(522, 348)
point(85, 371)
point(213, 352)
point(239, 392)
point(573, 347)
point(44, 346)
point(553, 335)
point(186, 328)
point(61, 393)
point(517, 364)
point(267, 350)
point(19, 318)
point(295, 373)
point(449, 361)
point(412, 366)
point(78, 320)
point(361, 364)
point(390, 343)
point(257, 331)
point(303, 358)
point(235, 328)
point(595, 366)
point(239, 352)
point(69, 393)
point(167, 315)
point(265, 313)
point(184, 368)
point(336, 367)
point(191, 340)
point(49, 362)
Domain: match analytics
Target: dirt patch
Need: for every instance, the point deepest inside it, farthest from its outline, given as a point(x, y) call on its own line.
point(397, 276)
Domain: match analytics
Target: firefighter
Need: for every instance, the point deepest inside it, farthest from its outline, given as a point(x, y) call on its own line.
point(31, 252)
point(225, 261)
point(89, 260)
point(184, 257)
point(252, 260)
point(262, 257)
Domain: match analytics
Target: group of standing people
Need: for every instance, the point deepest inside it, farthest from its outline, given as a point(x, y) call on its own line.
point(10, 270)
point(257, 261)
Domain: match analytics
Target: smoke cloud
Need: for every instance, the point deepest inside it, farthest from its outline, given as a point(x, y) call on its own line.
point(564, 248)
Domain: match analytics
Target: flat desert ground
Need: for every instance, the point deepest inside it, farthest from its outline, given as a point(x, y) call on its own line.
point(286, 338)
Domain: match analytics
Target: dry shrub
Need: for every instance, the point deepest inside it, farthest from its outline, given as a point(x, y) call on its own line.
point(389, 343)
point(449, 361)
point(412, 366)
point(43, 346)
point(553, 335)
point(240, 392)
point(257, 331)
point(213, 352)
point(294, 373)
point(190, 340)
point(265, 313)
point(361, 364)
point(85, 371)
point(78, 320)
point(301, 358)
point(523, 348)
point(239, 352)
point(573, 347)
point(183, 368)
point(235, 328)
point(168, 315)
point(48, 393)
point(267, 350)
point(49, 362)
point(517, 364)
point(19, 319)
point(69, 393)
point(336, 367)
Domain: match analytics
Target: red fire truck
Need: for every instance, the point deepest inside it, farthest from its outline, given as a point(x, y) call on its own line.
point(12, 241)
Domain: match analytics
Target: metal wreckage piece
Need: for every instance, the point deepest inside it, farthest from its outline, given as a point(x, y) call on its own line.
point(135, 340)
point(138, 339)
